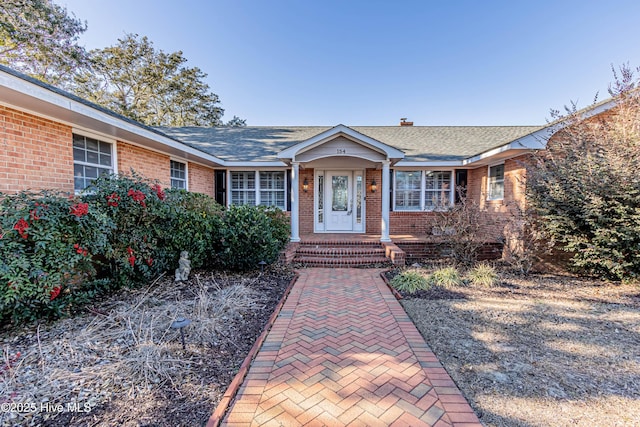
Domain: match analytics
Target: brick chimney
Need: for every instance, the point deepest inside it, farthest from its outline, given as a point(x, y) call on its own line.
point(404, 122)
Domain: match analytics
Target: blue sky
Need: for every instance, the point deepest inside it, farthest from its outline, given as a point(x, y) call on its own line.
point(483, 62)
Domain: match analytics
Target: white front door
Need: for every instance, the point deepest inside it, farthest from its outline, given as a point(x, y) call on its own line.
point(339, 201)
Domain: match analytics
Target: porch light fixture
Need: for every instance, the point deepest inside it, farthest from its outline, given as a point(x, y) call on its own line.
point(305, 185)
point(374, 186)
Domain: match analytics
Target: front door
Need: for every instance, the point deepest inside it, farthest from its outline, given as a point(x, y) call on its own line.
point(339, 201)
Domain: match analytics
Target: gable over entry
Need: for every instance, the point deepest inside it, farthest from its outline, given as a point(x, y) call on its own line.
point(341, 155)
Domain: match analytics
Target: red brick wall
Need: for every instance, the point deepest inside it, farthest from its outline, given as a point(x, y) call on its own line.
point(201, 179)
point(35, 153)
point(306, 212)
point(414, 223)
point(149, 164)
point(374, 202)
point(495, 212)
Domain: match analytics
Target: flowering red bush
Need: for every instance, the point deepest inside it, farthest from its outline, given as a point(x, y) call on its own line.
point(21, 227)
point(137, 196)
point(159, 192)
point(113, 199)
point(80, 209)
point(49, 254)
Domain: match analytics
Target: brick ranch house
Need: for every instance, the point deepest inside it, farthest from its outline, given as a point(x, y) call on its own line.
point(369, 184)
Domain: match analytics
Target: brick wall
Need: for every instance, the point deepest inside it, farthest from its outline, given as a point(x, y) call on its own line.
point(149, 164)
point(374, 202)
point(35, 153)
point(495, 213)
point(414, 223)
point(306, 212)
point(201, 179)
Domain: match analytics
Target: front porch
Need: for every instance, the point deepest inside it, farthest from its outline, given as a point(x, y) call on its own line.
point(355, 249)
point(359, 249)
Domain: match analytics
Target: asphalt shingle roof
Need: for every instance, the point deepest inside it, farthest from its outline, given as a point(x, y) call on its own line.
point(419, 143)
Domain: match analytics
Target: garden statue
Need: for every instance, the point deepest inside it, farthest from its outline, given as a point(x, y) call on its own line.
point(184, 267)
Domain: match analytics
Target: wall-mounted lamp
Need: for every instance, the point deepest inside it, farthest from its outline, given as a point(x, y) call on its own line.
point(374, 186)
point(305, 185)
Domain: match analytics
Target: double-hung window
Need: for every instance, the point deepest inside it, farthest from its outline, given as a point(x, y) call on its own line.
point(178, 175)
point(422, 190)
point(495, 187)
point(91, 159)
point(243, 188)
point(266, 188)
point(408, 189)
point(437, 190)
point(272, 189)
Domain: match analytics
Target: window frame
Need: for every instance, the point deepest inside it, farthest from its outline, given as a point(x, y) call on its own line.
point(101, 139)
point(423, 190)
point(490, 196)
point(186, 174)
point(420, 190)
point(431, 208)
point(257, 186)
point(282, 190)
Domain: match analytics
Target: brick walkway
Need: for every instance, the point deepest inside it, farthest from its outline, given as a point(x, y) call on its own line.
point(343, 352)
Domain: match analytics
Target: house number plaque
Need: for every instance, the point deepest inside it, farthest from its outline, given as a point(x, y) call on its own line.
point(342, 151)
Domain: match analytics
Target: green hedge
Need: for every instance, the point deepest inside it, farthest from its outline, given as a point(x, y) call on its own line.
point(58, 252)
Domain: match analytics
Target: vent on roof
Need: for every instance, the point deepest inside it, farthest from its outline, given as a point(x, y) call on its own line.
point(404, 122)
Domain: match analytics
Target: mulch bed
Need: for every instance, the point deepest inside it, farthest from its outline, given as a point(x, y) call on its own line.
point(122, 363)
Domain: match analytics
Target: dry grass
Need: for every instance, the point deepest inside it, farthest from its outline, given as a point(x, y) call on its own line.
point(544, 351)
point(126, 351)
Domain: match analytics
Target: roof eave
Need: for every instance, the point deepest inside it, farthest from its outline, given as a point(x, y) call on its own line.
point(38, 99)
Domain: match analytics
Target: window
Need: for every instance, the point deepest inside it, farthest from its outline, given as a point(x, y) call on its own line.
point(495, 190)
point(272, 189)
point(243, 188)
point(437, 192)
point(422, 190)
point(259, 188)
point(91, 159)
point(408, 190)
point(178, 175)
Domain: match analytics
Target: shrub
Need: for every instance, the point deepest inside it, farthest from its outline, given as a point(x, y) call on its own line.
point(483, 274)
point(462, 225)
point(585, 187)
point(410, 281)
point(248, 235)
point(280, 224)
point(138, 209)
point(446, 277)
point(47, 247)
point(190, 224)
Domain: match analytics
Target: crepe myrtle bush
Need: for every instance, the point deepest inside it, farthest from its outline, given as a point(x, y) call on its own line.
point(250, 234)
point(47, 247)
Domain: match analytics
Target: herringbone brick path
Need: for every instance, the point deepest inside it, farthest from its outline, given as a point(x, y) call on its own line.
point(343, 352)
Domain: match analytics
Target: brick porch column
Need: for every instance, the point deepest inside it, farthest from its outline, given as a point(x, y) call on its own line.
point(295, 203)
point(385, 202)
